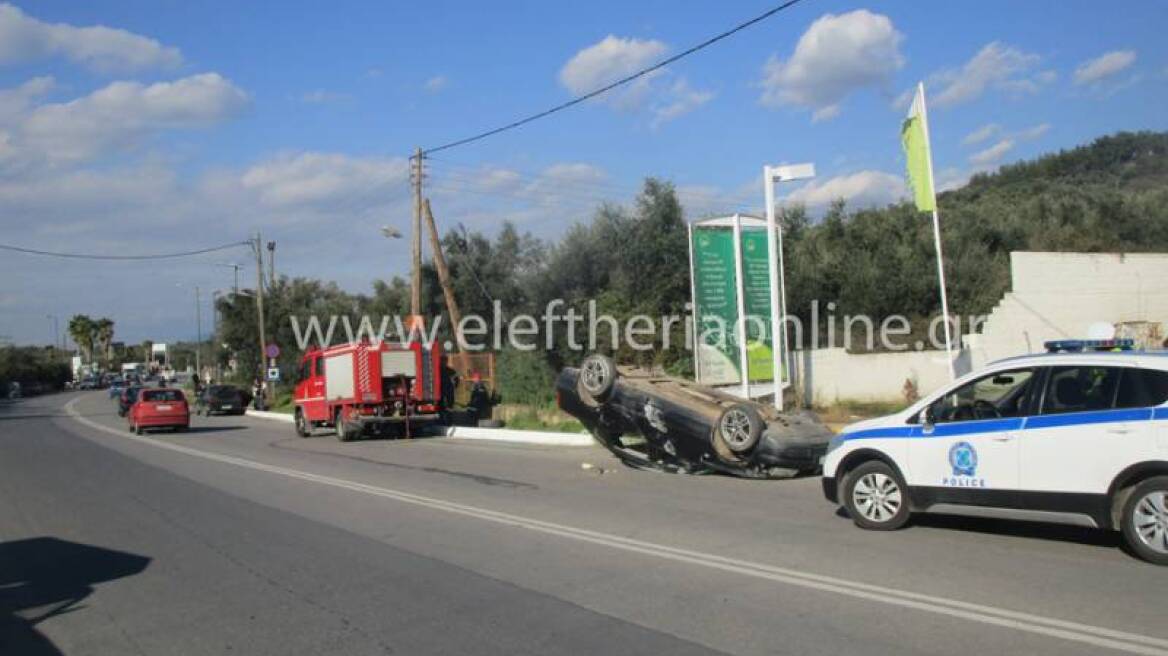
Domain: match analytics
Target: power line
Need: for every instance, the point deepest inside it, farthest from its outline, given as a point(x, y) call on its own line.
point(609, 87)
point(94, 256)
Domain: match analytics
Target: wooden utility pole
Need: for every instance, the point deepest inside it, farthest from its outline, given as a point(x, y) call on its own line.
point(271, 264)
point(258, 245)
point(444, 280)
point(416, 268)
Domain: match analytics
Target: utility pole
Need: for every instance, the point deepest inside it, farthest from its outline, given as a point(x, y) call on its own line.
point(259, 254)
point(416, 267)
point(198, 332)
point(271, 264)
point(444, 280)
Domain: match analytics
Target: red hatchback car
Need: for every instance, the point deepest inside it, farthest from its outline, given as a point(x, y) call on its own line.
point(160, 408)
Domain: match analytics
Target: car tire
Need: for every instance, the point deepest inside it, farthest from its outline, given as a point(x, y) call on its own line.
point(597, 377)
point(302, 427)
point(138, 429)
point(876, 497)
point(1145, 520)
point(739, 428)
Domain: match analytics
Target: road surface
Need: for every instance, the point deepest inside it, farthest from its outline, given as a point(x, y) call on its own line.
point(239, 537)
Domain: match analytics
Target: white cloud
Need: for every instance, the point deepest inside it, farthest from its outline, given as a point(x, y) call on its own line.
point(313, 178)
point(981, 134)
point(861, 189)
point(665, 96)
point(123, 112)
point(1036, 132)
point(1104, 66)
point(994, 66)
point(15, 102)
point(681, 99)
point(993, 154)
point(835, 56)
point(24, 38)
point(609, 60)
point(435, 84)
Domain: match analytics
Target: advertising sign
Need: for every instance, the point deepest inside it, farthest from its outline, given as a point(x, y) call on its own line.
point(719, 298)
point(715, 305)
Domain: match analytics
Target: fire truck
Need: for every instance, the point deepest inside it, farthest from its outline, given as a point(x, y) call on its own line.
point(370, 387)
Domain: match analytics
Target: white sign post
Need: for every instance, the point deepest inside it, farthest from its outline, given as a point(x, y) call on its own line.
point(772, 175)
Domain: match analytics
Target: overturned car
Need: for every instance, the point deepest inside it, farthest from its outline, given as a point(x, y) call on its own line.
point(685, 426)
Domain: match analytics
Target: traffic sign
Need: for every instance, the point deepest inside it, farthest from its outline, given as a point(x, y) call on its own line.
point(272, 351)
point(274, 374)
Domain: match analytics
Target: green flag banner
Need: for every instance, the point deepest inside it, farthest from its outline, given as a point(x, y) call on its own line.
point(916, 151)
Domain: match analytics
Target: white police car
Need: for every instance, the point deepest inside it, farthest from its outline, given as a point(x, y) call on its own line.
point(1078, 434)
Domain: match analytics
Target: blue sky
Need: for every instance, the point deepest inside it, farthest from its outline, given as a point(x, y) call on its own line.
point(189, 124)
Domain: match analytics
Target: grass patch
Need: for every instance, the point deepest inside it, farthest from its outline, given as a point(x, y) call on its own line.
point(538, 417)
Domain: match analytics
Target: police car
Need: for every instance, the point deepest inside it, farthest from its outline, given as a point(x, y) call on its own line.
point(1078, 434)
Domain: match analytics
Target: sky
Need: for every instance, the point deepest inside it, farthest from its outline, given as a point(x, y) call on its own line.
point(153, 126)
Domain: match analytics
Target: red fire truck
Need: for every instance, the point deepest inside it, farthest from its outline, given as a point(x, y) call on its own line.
point(369, 387)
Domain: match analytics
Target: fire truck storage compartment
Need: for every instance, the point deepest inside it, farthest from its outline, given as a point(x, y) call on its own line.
point(338, 376)
point(399, 363)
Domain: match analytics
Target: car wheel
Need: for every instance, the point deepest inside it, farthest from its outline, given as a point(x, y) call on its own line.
point(876, 497)
point(302, 428)
point(597, 377)
point(739, 428)
point(138, 429)
point(1145, 520)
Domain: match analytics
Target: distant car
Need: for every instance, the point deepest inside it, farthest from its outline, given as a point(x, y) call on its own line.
point(88, 383)
point(686, 426)
point(129, 395)
point(160, 408)
point(225, 399)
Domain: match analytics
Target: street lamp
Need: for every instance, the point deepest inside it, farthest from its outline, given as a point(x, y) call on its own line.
point(772, 175)
point(236, 268)
point(198, 327)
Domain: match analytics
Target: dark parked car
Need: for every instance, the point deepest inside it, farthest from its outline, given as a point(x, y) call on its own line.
point(686, 426)
point(127, 399)
point(226, 399)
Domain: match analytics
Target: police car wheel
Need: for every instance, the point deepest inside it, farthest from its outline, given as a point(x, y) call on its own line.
point(1145, 520)
point(875, 497)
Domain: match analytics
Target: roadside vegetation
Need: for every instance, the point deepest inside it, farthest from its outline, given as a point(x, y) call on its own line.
point(1108, 196)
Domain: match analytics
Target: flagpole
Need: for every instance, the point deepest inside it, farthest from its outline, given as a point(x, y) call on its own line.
point(937, 233)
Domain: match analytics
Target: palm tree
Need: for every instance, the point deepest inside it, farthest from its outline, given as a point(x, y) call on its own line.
point(82, 329)
point(104, 333)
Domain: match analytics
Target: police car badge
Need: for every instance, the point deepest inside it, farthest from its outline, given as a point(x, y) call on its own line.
point(963, 459)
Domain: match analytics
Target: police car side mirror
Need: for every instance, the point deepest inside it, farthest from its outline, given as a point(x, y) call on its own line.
point(926, 418)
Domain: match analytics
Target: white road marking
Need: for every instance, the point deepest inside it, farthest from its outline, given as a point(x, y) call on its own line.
point(1074, 631)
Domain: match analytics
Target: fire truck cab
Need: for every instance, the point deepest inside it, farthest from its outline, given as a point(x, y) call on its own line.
point(369, 387)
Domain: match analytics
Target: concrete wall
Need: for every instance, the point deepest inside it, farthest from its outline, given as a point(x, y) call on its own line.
point(1061, 295)
point(831, 375)
point(1053, 296)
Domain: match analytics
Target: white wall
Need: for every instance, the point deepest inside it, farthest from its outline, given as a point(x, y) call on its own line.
point(1053, 296)
point(831, 375)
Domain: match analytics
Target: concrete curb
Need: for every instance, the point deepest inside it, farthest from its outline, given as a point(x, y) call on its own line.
point(549, 438)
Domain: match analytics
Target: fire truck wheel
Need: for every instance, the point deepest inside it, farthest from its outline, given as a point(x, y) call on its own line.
point(345, 432)
point(302, 427)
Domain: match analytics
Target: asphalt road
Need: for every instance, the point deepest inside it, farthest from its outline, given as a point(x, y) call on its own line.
point(239, 537)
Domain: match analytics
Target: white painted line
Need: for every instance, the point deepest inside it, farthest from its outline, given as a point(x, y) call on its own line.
point(550, 438)
point(1133, 643)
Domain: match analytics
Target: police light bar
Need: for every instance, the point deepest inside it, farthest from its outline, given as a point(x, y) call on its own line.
point(1079, 345)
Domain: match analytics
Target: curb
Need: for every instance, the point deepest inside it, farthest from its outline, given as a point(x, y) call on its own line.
point(511, 435)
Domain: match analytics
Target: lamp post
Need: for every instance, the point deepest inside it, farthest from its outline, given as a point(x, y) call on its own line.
point(56, 333)
point(235, 267)
point(771, 176)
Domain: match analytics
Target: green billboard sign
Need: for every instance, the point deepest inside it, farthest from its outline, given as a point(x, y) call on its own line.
point(716, 304)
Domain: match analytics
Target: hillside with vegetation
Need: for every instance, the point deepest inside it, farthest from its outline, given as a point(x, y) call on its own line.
point(1110, 195)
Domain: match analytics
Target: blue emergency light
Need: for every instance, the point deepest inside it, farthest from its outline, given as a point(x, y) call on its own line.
point(1080, 345)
